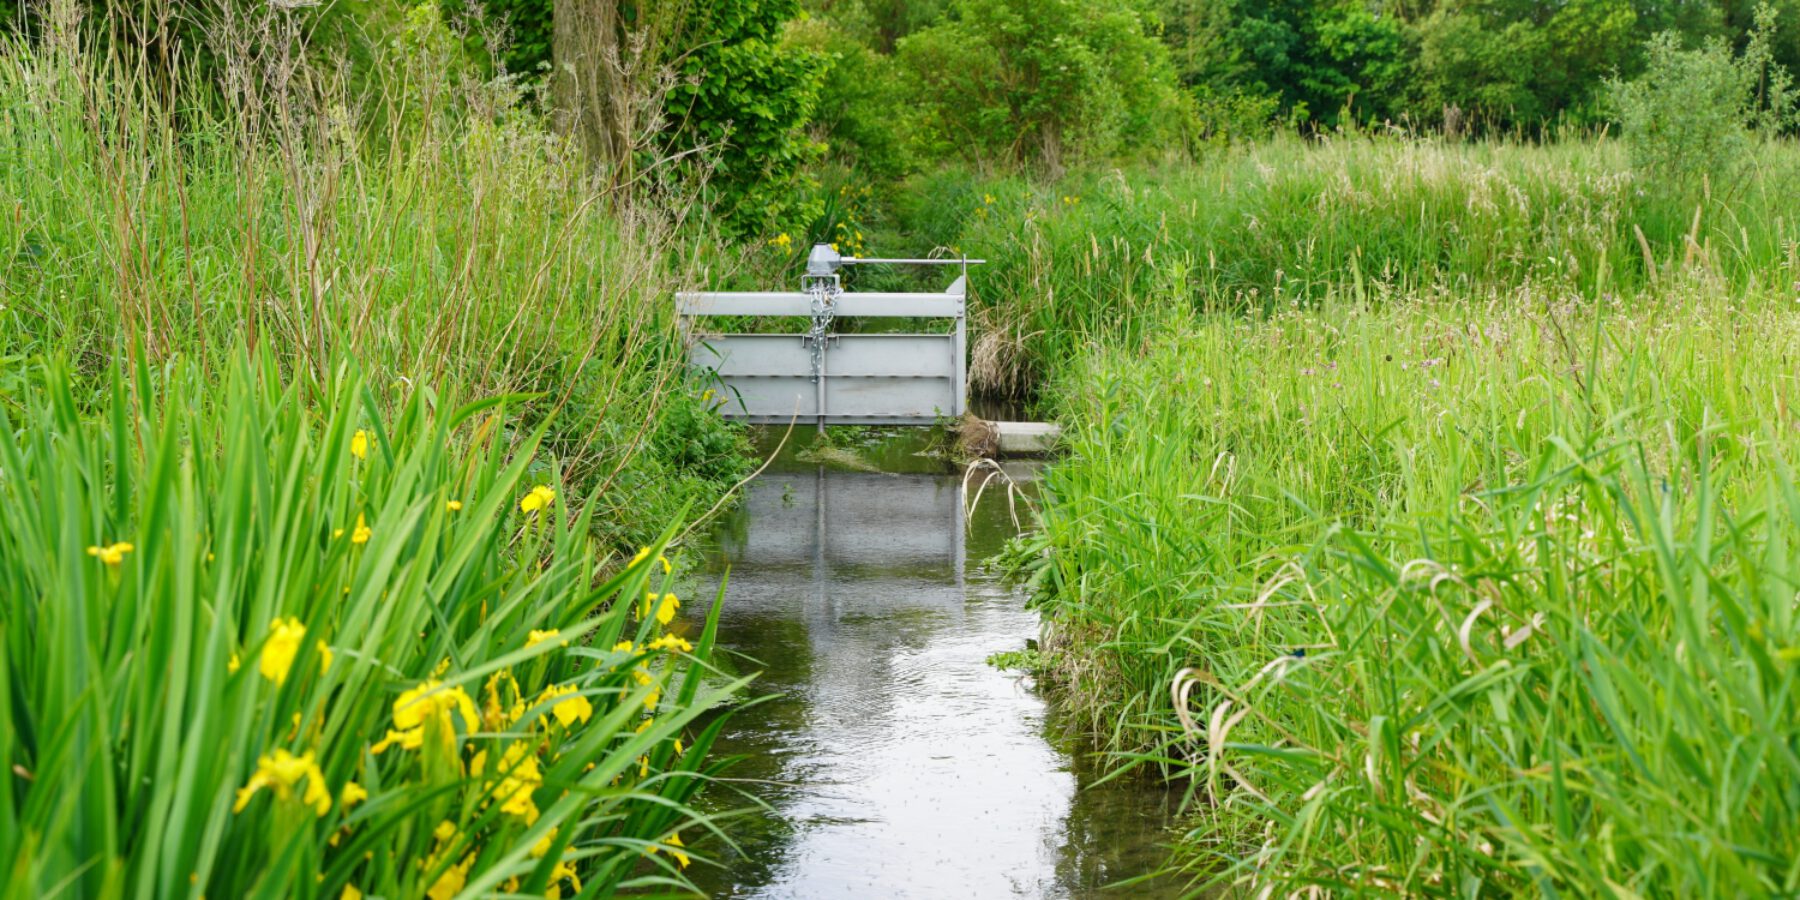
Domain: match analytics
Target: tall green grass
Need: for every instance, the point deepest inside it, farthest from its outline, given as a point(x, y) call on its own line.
point(1445, 597)
point(407, 214)
point(214, 575)
point(1292, 223)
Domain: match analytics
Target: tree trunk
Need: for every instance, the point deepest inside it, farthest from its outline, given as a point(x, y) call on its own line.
point(609, 77)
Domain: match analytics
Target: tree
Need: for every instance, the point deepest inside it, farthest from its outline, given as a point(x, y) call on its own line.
point(701, 83)
point(1042, 80)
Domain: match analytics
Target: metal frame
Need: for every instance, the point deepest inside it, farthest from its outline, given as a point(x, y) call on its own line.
point(767, 378)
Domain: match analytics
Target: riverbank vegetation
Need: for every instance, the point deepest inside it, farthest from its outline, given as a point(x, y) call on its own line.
point(334, 419)
point(1427, 507)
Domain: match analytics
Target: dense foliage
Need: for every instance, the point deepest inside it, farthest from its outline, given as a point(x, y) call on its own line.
point(261, 645)
point(1040, 80)
point(1490, 63)
point(748, 97)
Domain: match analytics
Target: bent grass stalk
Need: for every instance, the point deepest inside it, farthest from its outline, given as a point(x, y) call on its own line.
point(1458, 599)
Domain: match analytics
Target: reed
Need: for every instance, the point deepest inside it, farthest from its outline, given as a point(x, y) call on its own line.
point(1096, 257)
point(1440, 597)
point(417, 218)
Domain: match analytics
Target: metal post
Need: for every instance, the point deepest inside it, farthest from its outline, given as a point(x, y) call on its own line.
point(962, 355)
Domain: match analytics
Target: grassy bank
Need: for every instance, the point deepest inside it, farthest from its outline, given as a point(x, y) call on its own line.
point(327, 593)
point(1295, 223)
point(435, 230)
point(1467, 567)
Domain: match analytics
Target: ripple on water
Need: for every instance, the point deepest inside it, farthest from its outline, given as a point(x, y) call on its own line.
point(896, 762)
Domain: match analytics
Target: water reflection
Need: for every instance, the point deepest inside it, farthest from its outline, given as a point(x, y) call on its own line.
point(896, 762)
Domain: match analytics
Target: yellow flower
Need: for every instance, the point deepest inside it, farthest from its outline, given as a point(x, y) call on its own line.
point(644, 553)
point(674, 843)
point(666, 612)
point(359, 444)
point(451, 882)
point(362, 532)
point(519, 777)
point(537, 637)
point(782, 240)
point(282, 771)
point(562, 870)
point(570, 710)
point(671, 642)
point(453, 505)
point(324, 656)
point(540, 497)
point(350, 893)
point(645, 679)
point(279, 650)
point(414, 707)
point(111, 554)
point(431, 697)
point(624, 647)
point(352, 794)
point(234, 664)
point(987, 199)
point(445, 831)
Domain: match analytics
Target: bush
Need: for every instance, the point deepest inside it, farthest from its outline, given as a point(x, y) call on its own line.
point(747, 98)
point(258, 647)
point(1042, 81)
point(1694, 114)
point(863, 111)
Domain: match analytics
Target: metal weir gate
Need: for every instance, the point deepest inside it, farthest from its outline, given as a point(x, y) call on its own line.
point(831, 378)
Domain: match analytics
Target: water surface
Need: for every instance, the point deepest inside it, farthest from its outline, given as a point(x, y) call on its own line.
point(896, 762)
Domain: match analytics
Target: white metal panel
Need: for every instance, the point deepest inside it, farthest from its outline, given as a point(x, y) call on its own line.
point(877, 378)
point(866, 305)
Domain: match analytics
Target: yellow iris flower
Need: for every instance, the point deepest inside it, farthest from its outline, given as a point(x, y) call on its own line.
point(412, 708)
point(282, 771)
point(539, 498)
point(671, 642)
point(570, 709)
point(279, 650)
point(111, 554)
point(644, 553)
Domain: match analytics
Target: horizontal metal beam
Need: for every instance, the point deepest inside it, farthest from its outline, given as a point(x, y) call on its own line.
point(867, 305)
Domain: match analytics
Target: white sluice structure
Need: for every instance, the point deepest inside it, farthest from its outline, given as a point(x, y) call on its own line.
point(829, 378)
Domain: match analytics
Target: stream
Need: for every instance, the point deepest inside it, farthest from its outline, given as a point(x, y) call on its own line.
point(895, 762)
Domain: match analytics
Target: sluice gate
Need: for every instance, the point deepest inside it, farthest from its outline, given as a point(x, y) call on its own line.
point(834, 378)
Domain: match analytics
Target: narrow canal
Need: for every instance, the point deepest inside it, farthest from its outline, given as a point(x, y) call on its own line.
point(895, 761)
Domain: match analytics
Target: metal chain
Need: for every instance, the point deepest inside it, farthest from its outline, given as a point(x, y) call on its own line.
point(822, 293)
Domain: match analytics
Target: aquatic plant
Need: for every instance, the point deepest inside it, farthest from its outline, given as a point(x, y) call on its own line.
point(256, 646)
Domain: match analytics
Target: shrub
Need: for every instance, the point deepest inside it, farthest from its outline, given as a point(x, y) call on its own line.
point(1694, 114)
point(1043, 81)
